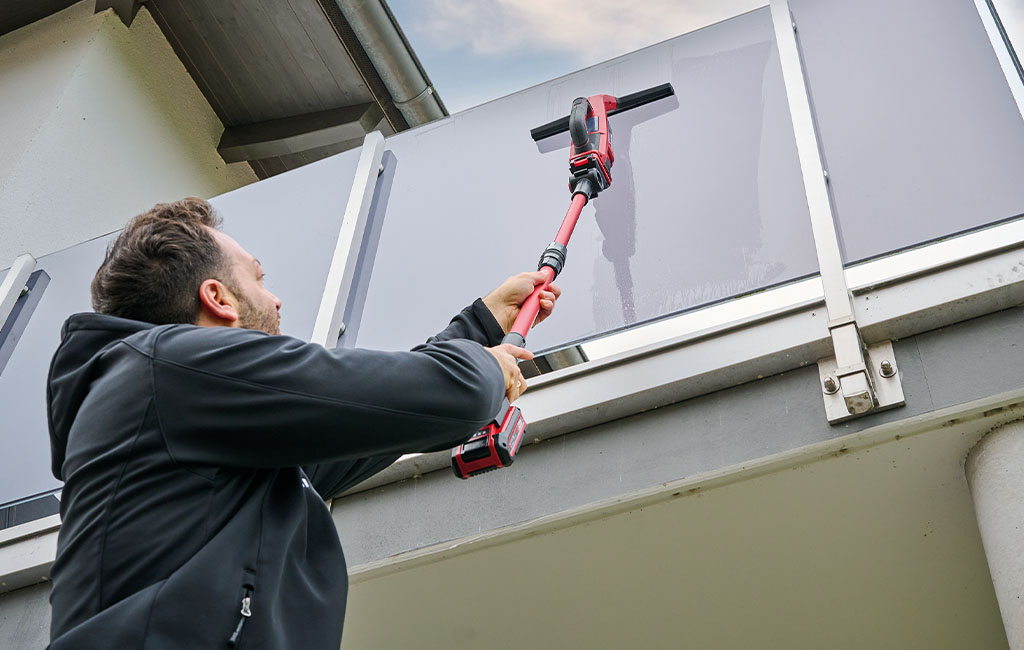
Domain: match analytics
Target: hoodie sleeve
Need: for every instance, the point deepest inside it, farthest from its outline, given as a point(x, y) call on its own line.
point(475, 323)
point(243, 398)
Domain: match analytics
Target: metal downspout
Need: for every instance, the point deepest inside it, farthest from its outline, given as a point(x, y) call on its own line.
point(393, 58)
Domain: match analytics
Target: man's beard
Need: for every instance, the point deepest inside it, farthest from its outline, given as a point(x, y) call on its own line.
point(250, 317)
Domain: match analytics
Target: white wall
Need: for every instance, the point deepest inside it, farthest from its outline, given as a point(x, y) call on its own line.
point(97, 123)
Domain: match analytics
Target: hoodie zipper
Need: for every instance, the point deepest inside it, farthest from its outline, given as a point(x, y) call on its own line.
point(245, 614)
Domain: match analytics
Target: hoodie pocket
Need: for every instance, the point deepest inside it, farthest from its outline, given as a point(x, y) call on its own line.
point(244, 606)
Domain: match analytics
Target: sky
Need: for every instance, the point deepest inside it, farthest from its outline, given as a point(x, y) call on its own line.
point(479, 50)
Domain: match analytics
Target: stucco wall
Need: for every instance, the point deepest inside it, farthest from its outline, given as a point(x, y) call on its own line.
point(25, 618)
point(97, 123)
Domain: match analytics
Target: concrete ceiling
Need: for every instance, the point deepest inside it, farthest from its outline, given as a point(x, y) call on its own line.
point(867, 542)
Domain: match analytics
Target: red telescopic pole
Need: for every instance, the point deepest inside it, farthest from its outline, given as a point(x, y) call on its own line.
point(531, 307)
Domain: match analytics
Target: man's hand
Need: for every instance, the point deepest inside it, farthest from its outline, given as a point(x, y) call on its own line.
point(506, 354)
point(505, 301)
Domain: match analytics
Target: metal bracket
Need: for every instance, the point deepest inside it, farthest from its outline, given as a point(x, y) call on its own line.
point(843, 385)
point(13, 286)
point(850, 386)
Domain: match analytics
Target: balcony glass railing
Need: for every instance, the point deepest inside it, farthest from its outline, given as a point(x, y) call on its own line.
point(706, 200)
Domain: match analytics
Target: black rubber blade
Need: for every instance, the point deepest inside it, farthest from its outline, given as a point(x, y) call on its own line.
point(626, 102)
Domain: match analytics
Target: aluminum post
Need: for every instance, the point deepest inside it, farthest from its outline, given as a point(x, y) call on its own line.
point(849, 387)
point(328, 325)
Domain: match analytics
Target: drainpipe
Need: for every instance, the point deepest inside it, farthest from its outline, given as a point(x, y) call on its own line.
point(995, 474)
point(404, 78)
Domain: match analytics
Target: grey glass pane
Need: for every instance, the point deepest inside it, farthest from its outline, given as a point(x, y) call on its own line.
point(290, 222)
point(706, 201)
point(920, 133)
point(24, 437)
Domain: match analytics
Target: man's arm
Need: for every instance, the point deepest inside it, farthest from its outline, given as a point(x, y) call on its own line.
point(485, 321)
point(475, 323)
point(242, 398)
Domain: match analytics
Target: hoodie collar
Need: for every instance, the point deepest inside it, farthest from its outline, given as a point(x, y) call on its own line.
point(84, 337)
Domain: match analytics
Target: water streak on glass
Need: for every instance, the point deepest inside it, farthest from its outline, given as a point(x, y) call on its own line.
point(706, 200)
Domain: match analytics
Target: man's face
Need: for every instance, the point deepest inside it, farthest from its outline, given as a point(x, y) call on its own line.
point(258, 309)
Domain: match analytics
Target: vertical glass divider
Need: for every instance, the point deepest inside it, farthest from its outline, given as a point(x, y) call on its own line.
point(328, 324)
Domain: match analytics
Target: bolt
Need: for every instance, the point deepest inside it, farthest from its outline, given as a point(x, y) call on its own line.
point(831, 387)
point(380, 170)
point(24, 292)
point(887, 369)
point(341, 330)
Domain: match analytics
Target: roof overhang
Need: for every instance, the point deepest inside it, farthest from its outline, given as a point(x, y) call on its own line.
point(293, 82)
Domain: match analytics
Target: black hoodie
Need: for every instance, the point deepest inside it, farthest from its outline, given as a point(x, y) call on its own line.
point(195, 461)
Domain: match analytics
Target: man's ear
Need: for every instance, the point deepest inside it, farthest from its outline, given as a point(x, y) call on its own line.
point(217, 303)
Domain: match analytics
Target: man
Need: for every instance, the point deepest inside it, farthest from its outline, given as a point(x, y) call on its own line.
point(196, 444)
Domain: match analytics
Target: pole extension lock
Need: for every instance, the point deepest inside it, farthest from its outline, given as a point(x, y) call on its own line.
point(553, 256)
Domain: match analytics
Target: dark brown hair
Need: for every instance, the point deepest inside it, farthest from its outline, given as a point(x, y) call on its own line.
point(153, 270)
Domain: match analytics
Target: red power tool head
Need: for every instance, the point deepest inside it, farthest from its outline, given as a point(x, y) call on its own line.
point(591, 157)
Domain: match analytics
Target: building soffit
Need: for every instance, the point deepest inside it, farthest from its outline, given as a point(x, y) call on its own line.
point(291, 81)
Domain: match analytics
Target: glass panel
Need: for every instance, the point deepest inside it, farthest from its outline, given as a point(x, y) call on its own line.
point(290, 222)
point(24, 439)
point(707, 200)
point(921, 138)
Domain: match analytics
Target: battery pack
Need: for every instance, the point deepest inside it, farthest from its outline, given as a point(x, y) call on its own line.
point(492, 447)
